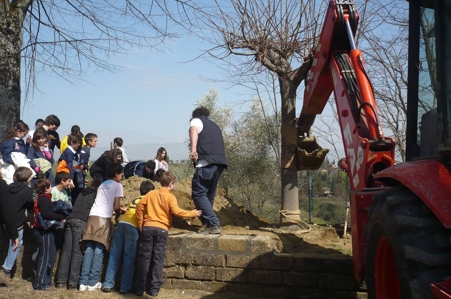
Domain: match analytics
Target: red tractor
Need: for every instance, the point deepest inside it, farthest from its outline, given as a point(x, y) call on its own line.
point(401, 214)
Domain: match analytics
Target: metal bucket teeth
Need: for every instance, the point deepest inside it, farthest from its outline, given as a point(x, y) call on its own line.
point(310, 155)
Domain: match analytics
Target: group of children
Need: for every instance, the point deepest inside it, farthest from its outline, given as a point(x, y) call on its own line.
point(70, 216)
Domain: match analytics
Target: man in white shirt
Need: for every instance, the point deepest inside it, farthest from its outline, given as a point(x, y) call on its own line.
point(208, 156)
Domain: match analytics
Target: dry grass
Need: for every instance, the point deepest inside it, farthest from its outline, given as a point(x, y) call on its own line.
point(19, 288)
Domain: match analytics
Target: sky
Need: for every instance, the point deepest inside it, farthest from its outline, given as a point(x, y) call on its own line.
point(149, 101)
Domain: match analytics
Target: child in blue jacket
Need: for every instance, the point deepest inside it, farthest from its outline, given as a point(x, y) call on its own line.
point(72, 159)
point(13, 142)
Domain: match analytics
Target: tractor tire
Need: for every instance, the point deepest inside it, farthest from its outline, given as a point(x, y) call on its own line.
point(408, 248)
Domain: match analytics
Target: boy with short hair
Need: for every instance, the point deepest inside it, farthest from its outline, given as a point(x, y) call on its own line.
point(69, 265)
point(99, 229)
point(70, 161)
point(21, 199)
point(63, 181)
point(74, 130)
point(51, 124)
point(45, 238)
point(117, 144)
point(159, 174)
point(154, 214)
point(141, 169)
point(125, 241)
point(91, 142)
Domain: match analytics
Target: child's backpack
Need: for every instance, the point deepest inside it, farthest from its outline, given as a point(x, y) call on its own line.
point(130, 168)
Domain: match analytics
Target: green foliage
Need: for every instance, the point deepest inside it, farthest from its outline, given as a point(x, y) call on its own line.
point(182, 169)
point(222, 116)
point(330, 211)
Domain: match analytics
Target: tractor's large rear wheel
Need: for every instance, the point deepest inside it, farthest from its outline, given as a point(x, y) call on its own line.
point(408, 248)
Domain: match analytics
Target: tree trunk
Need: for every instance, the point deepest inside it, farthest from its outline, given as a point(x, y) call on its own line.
point(11, 21)
point(290, 194)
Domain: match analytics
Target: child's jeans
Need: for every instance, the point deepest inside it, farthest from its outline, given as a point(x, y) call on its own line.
point(92, 263)
point(125, 240)
point(71, 256)
point(12, 255)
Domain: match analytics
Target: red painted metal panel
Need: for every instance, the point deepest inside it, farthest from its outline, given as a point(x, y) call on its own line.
point(430, 180)
point(360, 201)
point(442, 290)
point(366, 90)
point(319, 85)
point(359, 157)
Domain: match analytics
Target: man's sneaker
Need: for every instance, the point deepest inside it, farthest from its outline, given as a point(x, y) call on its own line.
point(97, 286)
point(83, 287)
point(212, 230)
point(60, 285)
point(72, 287)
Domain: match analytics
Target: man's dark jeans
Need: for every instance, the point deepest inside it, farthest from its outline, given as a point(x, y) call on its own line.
point(69, 265)
point(151, 252)
point(204, 185)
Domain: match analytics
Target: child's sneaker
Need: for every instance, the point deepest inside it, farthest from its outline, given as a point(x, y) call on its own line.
point(5, 276)
point(83, 287)
point(6, 271)
point(97, 286)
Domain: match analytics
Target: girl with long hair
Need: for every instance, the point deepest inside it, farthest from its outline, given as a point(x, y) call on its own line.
point(37, 153)
point(98, 168)
point(161, 160)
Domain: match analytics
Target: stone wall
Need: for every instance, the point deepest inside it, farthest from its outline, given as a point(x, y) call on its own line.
point(239, 264)
point(249, 265)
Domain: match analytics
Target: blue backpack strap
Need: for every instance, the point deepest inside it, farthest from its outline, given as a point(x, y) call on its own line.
point(136, 166)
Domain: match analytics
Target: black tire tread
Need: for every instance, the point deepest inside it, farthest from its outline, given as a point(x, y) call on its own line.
point(425, 258)
point(417, 238)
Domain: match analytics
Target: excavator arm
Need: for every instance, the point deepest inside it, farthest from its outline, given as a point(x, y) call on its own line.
point(338, 67)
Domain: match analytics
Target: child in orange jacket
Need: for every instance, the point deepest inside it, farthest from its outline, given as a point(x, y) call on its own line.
point(154, 214)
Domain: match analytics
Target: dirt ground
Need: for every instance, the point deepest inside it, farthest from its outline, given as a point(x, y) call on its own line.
point(22, 289)
point(236, 220)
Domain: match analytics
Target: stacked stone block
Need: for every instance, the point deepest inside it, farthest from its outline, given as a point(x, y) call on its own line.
point(250, 265)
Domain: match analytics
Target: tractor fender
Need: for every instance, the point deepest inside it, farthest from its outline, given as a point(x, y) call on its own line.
point(430, 180)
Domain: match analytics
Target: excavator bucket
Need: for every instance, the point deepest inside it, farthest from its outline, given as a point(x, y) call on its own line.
point(310, 155)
